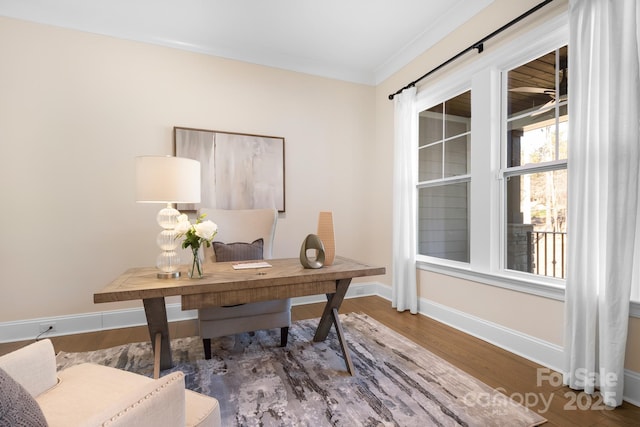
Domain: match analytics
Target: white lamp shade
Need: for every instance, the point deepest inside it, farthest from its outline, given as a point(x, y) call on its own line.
point(167, 179)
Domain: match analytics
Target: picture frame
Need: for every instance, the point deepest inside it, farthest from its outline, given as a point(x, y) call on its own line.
point(238, 170)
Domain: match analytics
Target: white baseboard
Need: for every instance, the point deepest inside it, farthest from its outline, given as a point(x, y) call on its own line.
point(631, 392)
point(24, 330)
point(542, 352)
point(534, 349)
point(537, 350)
point(531, 348)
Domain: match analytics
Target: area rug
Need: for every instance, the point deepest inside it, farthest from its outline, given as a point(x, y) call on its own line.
point(258, 383)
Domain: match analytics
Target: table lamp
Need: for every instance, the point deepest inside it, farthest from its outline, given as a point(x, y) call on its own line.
point(167, 179)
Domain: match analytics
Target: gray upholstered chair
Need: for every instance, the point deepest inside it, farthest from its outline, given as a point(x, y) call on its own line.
point(238, 231)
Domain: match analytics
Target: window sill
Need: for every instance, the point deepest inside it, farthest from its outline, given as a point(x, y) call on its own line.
point(508, 281)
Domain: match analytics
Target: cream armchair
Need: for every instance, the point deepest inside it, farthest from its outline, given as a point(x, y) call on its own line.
point(95, 395)
point(245, 227)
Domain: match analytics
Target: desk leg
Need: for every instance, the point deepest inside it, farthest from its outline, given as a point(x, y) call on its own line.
point(330, 316)
point(156, 313)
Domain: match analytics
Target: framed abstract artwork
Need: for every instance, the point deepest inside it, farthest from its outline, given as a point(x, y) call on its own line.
point(238, 171)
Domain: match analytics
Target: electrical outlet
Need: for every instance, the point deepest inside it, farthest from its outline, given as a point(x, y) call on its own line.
point(47, 327)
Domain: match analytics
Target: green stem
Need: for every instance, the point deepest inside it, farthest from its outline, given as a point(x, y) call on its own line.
point(196, 262)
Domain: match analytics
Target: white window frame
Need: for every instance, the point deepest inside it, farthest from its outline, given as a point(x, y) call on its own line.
point(438, 95)
point(482, 75)
point(448, 93)
point(507, 171)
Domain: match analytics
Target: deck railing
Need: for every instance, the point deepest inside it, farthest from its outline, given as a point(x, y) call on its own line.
point(547, 253)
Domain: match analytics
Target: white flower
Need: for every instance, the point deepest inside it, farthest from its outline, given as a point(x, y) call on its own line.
point(195, 234)
point(206, 230)
point(183, 224)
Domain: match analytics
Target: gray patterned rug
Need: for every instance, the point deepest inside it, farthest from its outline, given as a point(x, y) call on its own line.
point(258, 383)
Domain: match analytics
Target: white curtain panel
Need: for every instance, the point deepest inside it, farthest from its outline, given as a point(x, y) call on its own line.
point(404, 292)
point(604, 158)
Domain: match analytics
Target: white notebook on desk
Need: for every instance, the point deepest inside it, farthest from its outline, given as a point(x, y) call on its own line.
point(253, 264)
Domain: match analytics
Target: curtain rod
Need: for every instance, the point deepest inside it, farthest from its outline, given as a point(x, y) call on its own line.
point(479, 45)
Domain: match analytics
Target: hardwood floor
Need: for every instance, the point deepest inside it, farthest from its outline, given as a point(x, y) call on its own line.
point(515, 376)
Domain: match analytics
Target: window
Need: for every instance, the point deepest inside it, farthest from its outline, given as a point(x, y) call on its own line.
point(491, 184)
point(444, 178)
point(535, 165)
point(515, 115)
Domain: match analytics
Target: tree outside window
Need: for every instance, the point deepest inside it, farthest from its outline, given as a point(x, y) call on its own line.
point(535, 169)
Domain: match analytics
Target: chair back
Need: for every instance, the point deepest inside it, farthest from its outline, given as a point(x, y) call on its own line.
point(243, 225)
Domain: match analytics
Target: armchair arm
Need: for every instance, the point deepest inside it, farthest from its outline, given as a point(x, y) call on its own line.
point(159, 402)
point(33, 366)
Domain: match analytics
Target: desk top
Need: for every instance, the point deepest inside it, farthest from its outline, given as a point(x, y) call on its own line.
point(142, 283)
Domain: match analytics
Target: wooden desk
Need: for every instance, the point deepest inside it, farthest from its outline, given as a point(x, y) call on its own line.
point(222, 285)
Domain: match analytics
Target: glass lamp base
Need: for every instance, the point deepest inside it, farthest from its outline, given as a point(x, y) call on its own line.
point(168, 260)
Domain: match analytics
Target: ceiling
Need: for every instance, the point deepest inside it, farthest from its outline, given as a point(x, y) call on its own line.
point(363, 41)
point(540, 74)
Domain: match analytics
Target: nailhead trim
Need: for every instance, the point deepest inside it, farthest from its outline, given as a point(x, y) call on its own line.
point(142, 400)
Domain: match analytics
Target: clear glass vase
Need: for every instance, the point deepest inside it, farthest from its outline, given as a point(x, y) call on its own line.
point(196, 266)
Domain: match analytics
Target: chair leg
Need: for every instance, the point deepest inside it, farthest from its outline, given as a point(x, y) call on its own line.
point(206, 343)
point(284, 336)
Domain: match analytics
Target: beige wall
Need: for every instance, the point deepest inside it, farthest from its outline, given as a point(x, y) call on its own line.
point(536, 316)
point(76, 108)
